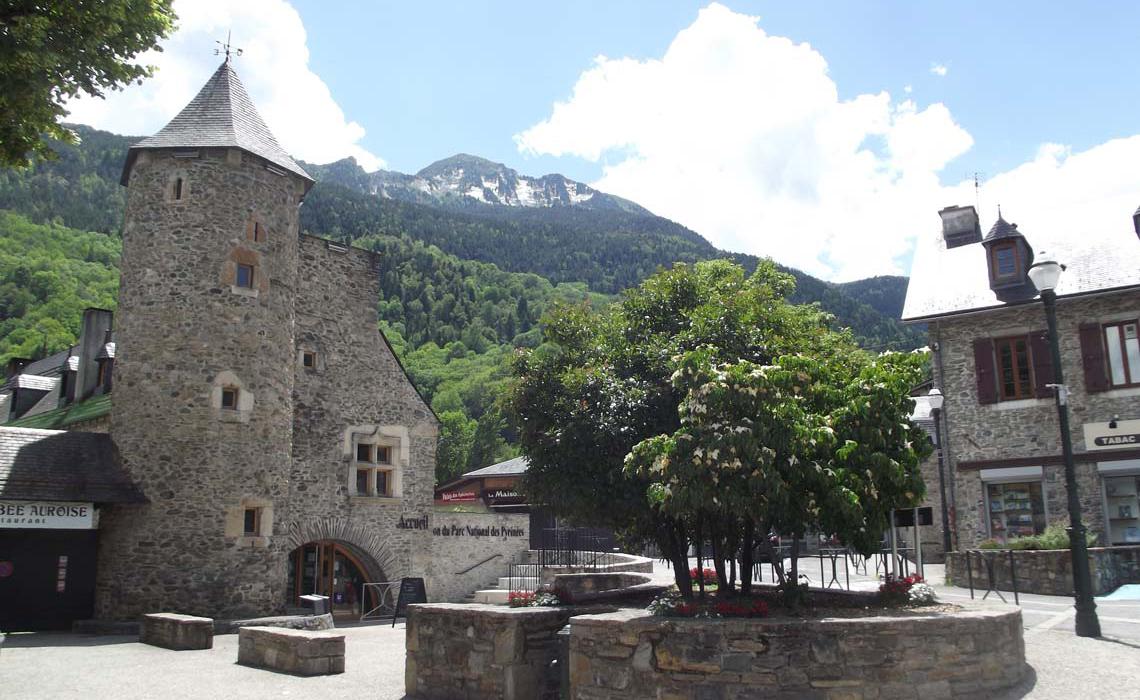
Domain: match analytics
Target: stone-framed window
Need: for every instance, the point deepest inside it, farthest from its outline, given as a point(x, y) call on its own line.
point(249, 521)
point(309, 359)
point(245, 272)
point(378, 457)
point(177, 187)
point(256, 230)
point(230, 395)
point(244, 276)
point(230, 400)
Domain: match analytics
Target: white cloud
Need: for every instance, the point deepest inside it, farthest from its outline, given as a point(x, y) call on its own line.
point(742, 137)
point(939, 69)
point(295, 103)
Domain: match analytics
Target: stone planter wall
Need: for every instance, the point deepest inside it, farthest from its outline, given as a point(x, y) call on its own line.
point(482, 651)
point(1047, 571)
point(631, 654)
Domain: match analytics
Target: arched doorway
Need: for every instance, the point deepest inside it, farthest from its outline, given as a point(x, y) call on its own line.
point(332, 569)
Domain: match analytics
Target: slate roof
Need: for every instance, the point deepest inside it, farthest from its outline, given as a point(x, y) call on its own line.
point(946, 282)
point(107, 353)
point(221, 115)
point(72, 414)
point(511, 467)
point(46, 367)
point(1001, 229)
point(31, 381)
point(54, 465)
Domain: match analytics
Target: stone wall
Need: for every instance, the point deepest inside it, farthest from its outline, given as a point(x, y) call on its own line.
point(482, 651)
point(631, 654)
point(1024, 429)
point(462, 540)
point(1046, 572)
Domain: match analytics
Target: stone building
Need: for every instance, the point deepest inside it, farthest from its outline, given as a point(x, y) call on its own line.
point(266, 439)
point(991, 360)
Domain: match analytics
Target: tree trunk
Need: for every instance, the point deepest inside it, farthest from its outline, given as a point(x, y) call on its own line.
point(677, 550)
point(746, 557)
point(700, 542)
point(718, 551)
point(795, 574)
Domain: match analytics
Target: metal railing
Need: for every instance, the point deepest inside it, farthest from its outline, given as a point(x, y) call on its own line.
point(477, 564)
point(385, 593)
point(987, 558)
point(573, 547)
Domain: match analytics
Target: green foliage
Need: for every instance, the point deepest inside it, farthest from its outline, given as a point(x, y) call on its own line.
point(704, 406)
point(1055, 536)
point(51, 52)
point(48, 275)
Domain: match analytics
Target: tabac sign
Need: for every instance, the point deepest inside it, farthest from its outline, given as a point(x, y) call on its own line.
point(47, 515)
point(1123, 435)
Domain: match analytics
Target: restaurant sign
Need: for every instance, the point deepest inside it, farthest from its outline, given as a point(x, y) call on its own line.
point(47, 515)
point(502, 497)
point(1122, 434)
point(464, 496)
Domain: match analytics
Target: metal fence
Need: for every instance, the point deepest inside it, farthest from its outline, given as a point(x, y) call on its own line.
point(986, 560)
point(574, 547)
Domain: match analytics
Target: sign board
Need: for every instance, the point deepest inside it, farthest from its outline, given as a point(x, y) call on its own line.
point(47, 515)
point(502, 497)
point(905, 518)
point(1099, 436)
point(411, 591)
point(465, 496)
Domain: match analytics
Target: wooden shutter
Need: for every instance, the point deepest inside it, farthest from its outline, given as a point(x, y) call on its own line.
point(1042, 359)
point(984, 369)
point(1092, 358)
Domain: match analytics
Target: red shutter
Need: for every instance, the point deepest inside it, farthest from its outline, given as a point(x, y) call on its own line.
point(984, 368)
point(1092, 358)
point(1042, 359)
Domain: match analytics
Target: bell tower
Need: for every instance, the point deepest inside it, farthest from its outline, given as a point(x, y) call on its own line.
point(203, 416)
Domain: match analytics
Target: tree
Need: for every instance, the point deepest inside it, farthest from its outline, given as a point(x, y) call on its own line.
point(51, 52)
point(604, 388)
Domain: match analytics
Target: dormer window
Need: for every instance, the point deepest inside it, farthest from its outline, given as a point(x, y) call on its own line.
point(1004, 263)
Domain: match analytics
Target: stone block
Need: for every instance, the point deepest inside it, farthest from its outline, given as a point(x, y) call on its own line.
point(179, 632)
point(300, 652)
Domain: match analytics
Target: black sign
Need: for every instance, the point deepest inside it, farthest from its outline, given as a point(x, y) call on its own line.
point(905, 518)
point(1116, 440)
point(411, 591)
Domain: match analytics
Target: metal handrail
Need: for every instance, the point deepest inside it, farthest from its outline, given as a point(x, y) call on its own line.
point(474, 566)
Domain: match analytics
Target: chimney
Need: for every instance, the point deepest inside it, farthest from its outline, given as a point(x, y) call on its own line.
point(96, 323)
point(960, 226)
point(15, 366)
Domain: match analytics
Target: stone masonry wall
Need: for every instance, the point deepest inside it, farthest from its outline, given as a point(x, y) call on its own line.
point(631, 654)
point(461, 540)
point(1029, 428)
point(182, 330)
point(357, 386)
point(1046, 572)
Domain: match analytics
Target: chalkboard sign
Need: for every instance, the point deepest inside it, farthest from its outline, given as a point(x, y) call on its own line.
point(905, 518)
point(411, 591)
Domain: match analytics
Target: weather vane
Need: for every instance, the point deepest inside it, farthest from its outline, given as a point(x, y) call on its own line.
point(226, 48)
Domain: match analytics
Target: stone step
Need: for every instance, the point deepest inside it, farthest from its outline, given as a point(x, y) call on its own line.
point(493, 596)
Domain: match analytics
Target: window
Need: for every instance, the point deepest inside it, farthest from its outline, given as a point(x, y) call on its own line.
point(309, 359)
point(1016, 510)
point(252, 522)
point(1013, 368)
point(244, 276)
point(373, 472)
point(1122, 348)
point(382, 454)
point(364, 453)
point(1123, 509)
point(1004, 262)
point(176, 192)
point(258, 232)
point(230, 398)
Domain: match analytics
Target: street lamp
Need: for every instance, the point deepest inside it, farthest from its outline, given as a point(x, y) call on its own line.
point(1044, 273)
point(935, 399)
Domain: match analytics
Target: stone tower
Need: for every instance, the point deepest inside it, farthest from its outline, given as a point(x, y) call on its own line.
point(205, 366)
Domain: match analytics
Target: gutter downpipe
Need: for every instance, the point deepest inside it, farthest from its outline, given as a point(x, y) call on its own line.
point(936, 336)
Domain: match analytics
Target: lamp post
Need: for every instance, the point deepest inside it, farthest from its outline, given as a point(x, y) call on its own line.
point(935, 398)
point(1044, 273)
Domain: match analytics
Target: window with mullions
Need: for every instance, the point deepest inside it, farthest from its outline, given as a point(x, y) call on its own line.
point(373, 470)
point(1014, 362)
point(1004, 262)
point(1122, 349)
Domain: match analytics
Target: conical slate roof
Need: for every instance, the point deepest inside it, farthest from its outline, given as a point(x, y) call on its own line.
point(221, 115)
point(1002, 229)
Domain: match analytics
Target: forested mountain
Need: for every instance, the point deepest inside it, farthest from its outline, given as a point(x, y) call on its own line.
point(464, 279)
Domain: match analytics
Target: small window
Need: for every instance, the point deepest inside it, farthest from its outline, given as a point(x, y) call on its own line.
point(364, 453)
point(362, 481)
point(177, 191)
point(258, 232)
point(252, 525)
point(381, 483)
point(382, 454)
point(230, 398)
point(309, 359)
point(1004, 261)
point(244, 276)
point(1122, 346)
point(1013, 365)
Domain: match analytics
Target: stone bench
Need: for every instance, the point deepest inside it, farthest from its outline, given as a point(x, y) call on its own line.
point(300, 652)
point(174, 631)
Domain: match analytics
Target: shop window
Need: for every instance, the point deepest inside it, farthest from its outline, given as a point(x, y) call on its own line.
point(244, 277)
point(1015, 510)
point(251, 525)
point(230, 398)
point(1122, 348)
point(1123, 504)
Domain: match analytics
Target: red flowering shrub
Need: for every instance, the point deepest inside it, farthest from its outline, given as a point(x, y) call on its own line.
point(756, 608)
point(709, 575)
point(520, 599)
point(897, 590)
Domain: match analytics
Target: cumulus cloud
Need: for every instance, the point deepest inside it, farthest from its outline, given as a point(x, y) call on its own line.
point(939, 69)
point(295, 103)
point(742, 136)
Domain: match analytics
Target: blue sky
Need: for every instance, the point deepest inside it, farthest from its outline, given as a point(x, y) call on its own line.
point(824, 134)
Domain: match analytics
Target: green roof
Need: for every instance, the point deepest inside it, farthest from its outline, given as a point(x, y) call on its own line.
point(59, 418)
